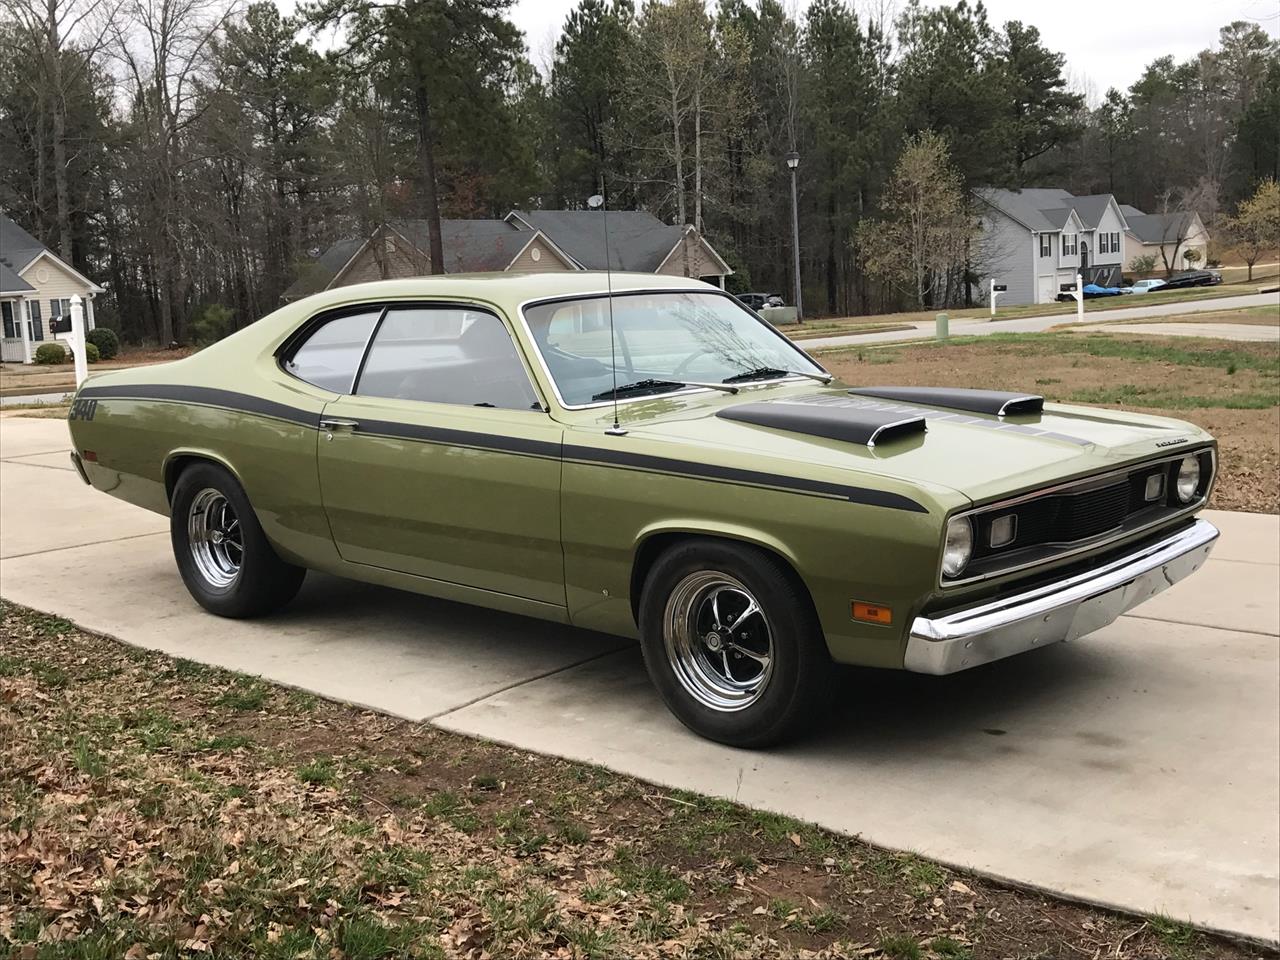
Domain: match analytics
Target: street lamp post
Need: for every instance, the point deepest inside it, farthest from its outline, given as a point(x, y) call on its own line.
point(793, 161)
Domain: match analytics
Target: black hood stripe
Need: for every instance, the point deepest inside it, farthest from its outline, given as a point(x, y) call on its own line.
point(520, 446)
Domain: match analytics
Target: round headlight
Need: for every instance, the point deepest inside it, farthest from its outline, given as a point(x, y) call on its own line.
point(1188, 479)
point(958, 547)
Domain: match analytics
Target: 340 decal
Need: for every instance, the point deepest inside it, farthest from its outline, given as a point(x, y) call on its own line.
point(83, 409)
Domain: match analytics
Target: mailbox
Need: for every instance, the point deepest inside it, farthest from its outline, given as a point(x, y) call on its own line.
point(1067, 287)
point(60, 325)
point(999, 287)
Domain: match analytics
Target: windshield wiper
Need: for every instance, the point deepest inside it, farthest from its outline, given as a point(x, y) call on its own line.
point(770, 373)
point(659, 386)
point(639, 386)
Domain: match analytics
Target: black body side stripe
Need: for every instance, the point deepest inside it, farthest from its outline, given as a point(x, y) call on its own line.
point(711, 471)
point(460, 438)
point(208, 396)
point(516, 445)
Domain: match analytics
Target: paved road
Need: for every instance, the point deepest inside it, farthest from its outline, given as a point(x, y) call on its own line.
point(1251, 332)
point(982, 327)
point(1139, 767)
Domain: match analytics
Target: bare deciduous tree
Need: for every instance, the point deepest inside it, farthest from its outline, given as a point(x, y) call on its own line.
point(926, 228)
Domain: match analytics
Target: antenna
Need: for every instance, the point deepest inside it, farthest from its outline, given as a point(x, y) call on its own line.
point(597, 202)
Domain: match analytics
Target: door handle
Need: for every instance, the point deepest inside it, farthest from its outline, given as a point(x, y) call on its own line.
point(330, 424)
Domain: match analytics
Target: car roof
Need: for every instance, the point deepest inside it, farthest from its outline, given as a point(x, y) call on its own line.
point(508, 290)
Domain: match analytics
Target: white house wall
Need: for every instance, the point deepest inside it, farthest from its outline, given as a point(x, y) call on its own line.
point(1006, 257)
point(1110, 223)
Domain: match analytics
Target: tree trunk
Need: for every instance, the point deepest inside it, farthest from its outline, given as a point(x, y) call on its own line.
point(697, 161)
point(681, 214)
point(831, 253)
point(59, 134)
point(427, 157)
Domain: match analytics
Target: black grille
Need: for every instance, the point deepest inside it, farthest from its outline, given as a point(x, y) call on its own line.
point(1061, 518)
point(1078, 514)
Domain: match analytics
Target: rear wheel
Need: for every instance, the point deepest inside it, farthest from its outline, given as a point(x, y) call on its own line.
point(224, 558)
point(732, 644)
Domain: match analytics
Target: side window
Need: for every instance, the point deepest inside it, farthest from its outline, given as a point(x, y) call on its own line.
point(446, 355)
point(330, 357)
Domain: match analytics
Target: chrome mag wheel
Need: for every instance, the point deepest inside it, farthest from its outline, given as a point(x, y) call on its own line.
point(215, 538)
point(718, 640)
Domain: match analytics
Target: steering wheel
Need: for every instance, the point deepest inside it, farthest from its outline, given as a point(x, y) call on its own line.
point(687, 362)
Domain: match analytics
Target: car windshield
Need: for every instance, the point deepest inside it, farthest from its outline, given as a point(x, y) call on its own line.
point(662, 342)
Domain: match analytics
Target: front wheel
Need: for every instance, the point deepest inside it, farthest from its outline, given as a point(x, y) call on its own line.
point(225, 559)
point(732, 644)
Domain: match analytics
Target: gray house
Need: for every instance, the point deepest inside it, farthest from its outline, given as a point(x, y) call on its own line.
point(1035, 240)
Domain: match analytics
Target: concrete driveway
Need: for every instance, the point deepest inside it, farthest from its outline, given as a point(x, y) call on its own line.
point(1139, 767)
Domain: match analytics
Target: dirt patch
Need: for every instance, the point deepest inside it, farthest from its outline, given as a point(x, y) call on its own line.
point(1230, 389)
point(153, 807)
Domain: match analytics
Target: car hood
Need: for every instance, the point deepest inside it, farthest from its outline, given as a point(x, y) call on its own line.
point(979, 456)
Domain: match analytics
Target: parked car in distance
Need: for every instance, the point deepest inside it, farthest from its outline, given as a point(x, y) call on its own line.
point(1094, 290)
point(1193, 278)
point(1143, 286)
point(655, 462)
point(1091, 291)
point(758, 301)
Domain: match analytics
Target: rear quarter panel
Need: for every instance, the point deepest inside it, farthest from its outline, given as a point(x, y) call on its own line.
point(146, 420)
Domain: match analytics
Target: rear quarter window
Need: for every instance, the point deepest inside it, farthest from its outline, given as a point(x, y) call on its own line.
point(330, 354)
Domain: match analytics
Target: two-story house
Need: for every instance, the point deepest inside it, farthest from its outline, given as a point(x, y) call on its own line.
point(1036, 240)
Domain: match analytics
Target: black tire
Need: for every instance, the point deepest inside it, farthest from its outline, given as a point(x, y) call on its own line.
point(794, 690)
point(260, 582)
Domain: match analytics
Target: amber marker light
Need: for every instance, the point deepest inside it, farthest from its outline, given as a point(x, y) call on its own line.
point(872, 613)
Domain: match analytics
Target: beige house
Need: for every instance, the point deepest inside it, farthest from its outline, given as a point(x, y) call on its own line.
point(36, 286)
point(1167, 237)
point(524, 241)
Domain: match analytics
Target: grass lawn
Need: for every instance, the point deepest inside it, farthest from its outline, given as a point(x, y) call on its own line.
point(829, 326)
point(152, 807)
point(1231, 389)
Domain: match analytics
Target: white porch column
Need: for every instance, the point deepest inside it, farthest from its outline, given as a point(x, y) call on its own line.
point(20, 315)
point(89, 322)
point(77, 339)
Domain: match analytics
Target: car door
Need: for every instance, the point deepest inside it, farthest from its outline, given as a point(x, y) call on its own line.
point(441, 461)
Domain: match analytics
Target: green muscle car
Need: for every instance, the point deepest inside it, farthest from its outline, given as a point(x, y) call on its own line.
point(653, 462)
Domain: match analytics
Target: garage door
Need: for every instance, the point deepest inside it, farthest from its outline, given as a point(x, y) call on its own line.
point(1045, 291)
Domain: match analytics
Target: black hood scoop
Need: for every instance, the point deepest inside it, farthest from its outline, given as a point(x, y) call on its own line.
point(995, 402)
point(830, 418)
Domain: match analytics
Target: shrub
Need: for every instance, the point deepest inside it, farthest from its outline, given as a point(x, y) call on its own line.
point(105, 339)
point(1143, 265)
point(51, 353)
point(91, 353)
point(211, 325)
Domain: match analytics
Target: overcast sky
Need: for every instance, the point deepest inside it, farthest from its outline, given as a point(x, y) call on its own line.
point(1107, 42)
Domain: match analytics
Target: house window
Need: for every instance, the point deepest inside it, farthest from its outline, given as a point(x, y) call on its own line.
point(1104, 243)
point(1069, 245)
point(35, 329)
point(59, 308)
point(1046, 244)
point(1115, 243)
point(6, 310)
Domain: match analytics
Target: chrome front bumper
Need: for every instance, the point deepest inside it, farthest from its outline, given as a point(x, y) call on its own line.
point(1058, 611)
